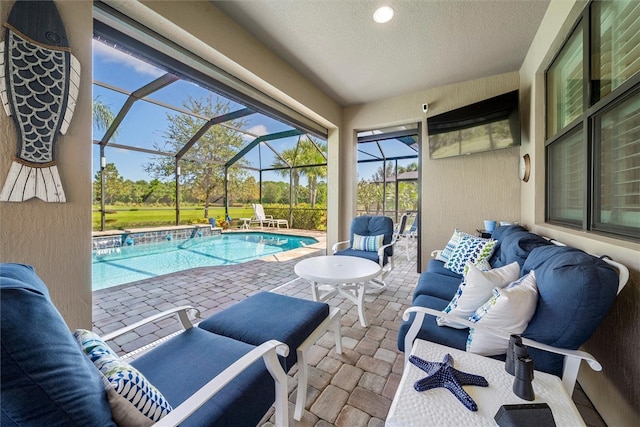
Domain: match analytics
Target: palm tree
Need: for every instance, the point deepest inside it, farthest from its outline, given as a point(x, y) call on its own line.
point(102, 115)
point(313, 153)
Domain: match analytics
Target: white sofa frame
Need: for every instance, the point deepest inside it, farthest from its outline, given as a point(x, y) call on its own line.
point(572, 358)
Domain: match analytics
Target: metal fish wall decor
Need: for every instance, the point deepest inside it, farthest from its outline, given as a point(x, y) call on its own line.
point(39, 82)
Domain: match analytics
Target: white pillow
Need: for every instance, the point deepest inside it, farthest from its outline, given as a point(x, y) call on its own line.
point(134, 401)
point(509, 309)
point(476, 289)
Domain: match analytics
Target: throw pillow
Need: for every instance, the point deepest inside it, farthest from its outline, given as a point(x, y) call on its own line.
point(133, 399)
point(476, 289)
point(509, 309)
point(367, 243)
point(472, 249)
point(451, 245)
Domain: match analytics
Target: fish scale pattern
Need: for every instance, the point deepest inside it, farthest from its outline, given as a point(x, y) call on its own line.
point(37, 78)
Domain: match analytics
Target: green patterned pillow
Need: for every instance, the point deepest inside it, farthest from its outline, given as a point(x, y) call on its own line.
point(367, 243)
point(472, 249)
point(134, 400)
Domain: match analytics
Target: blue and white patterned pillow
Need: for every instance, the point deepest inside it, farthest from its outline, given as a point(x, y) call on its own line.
point(367, 243)
point(452, 304)
point(509, 310)
point(471, 249)
point(476, 289)
point(134, 400)
point(451, 244)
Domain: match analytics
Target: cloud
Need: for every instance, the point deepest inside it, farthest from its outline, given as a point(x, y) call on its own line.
point(259, 130)
point(115, 56)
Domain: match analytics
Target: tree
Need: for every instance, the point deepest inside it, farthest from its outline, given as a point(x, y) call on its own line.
point(204, 172)
point(313, 156)
point(285, 162)
point(102, 115)
point(304, 153)
point(113, 185)
point(369, 195)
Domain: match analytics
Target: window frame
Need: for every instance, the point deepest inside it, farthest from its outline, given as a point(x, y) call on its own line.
point(593, 110)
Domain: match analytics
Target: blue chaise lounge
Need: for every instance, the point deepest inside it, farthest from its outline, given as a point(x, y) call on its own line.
point(47, 380)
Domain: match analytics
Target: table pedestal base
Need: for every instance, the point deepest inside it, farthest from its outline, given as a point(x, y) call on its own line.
point(354, 292)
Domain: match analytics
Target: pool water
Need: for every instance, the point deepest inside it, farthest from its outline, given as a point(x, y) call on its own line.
point(126, 264)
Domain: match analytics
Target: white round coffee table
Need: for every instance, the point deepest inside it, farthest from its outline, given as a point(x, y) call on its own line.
point(346, 275)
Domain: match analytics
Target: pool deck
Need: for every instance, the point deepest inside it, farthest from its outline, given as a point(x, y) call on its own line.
point(352, 389)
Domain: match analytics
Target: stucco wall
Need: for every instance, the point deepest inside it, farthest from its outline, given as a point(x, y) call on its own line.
point(615, 391)
point(56, 237)
point(458, 191)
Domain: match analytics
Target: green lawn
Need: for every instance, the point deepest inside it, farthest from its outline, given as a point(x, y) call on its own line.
point(120, 217)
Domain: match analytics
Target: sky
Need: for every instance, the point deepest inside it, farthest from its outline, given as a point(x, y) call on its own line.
point(145, 124)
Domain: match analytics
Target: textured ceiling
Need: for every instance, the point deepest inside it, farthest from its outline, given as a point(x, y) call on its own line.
point(429, 43)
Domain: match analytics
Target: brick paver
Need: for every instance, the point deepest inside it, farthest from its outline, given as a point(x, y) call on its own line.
point(352, 389)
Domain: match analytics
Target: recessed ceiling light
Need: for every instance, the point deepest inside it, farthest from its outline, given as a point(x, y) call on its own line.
point(383, 14)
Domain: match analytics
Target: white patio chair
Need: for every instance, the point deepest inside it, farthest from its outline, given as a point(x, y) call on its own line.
point(259, 217)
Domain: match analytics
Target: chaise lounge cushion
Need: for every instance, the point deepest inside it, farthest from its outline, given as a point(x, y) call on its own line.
point(180, 366)
point(267, 315)
point(46, 380)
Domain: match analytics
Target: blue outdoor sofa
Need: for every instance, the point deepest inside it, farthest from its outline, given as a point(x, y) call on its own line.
point(575, 292)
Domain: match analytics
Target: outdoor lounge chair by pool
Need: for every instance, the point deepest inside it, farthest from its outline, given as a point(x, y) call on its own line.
point(259, 217)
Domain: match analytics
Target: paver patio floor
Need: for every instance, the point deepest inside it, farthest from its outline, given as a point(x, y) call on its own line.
point(352, 389)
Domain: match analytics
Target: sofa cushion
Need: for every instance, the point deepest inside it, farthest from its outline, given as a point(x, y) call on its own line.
point(371, 256)
point(286, 319)
point(188, 361)
point(437, 266)
point(509, 309)
point(516, 246)
point(504, 230)
point(469, 249)
point(436, 285)
point(456, 338)
point(46, 380)
point(576, 291)
point(133, 399)
point(476, 289)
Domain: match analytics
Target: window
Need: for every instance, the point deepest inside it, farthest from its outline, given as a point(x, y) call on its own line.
point(617, 198)
point(566, 179)
point(564, 85)
point(593, 123)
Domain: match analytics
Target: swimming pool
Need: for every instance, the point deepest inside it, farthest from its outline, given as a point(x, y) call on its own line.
point(125, 264)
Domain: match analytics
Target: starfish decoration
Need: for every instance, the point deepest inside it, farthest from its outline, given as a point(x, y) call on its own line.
point(443, 374)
